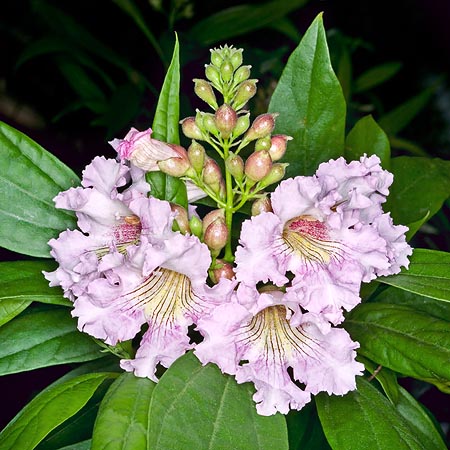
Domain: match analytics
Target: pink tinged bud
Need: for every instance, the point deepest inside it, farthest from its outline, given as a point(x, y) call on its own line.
point(212, 174)
point(245, 91)
point(261, 205)
point(275, 175)
point(242, 74)
point(261, 126)
point(204, 90)
point(258, 165)
point(196, 154)
point(278, 146)
point(213, 74)
point(211, 217)
point(235, 165)
point(225, 119)
point(196, 226)
point(176, 167)
point(216, 235)
point(181, 218)
point(221, 270)
point(190, 129)
point(236, 58)
point(242, 124)
point(226, 71)
point(263, 144)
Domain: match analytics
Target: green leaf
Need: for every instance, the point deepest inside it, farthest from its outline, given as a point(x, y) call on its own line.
point(397, 119)
point(29, 179)
point(167, 115)
point(421, 185)
point(122, 422)
point(415, 226)
point(366, 137)
point(241, 19)
point(418, 419)
point(48, 410)
point(365, 419)
point(311, 104)
point(376, 76)
point(197, 407)
point(84, 445)
point(42, 339)
point(168, 188)
point(404, 340)
point(305, 430)
point(428, 275)
point(395, 296)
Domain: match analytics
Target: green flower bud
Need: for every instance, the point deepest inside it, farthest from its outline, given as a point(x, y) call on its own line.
point(216, 57)
point(190, 129)
point(242, 74)
point(245, 91)
point(209, 124)
point(242, 124)
point(204, 90)
point(196, 155)
point(196, 226)
point(258, 165)
point(225, 119)
point(212, 174)
point(236, 58)
point(235, 165)
point(263, 143)
point(275, 175)
point(226, 71)
point(213, 74)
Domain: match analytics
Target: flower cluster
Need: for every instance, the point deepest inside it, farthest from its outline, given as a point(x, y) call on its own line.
point(267, 312)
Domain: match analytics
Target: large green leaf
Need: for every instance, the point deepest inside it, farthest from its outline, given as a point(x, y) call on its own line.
point(367, 137)
point(365, 419)
point(29, 179)
point(22, 282)
point(43, 338)
point(123, 420)
point(428, 275)
point(420, 185)
point(48, 410)
point(418, 419)
point(404, 340)
point(241, 19)
point(311, 104)
point(197, 407)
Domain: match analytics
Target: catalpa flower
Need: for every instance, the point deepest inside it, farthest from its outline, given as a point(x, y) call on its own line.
point(278, 348)
point(325, 235)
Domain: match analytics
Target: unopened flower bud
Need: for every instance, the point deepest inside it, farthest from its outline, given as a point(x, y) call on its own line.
point(242, 124)
point(209, 124)
point(211, 217)
point(213, 74)
point(212, 174)
point(225, 119)
point(226, 71)
point(181, 218)
point(196, 226)
point(190, 129)
point(216, 57)
point(196, 155)
point(261, 126)
point(178, 166)
point(245, 91)
point(242, 74)
point(204, 90)
point(221, 270)
point(275, 175)
point(216, 235)
point(258, 165)
point(263, 144)
point(236, 58)
point(278, 146)
point(235, 165)
point(261, 205)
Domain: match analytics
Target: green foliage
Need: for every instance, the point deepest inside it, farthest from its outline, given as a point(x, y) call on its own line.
point(365, 419)
point(29, 179)
point(309, 99)
point(375, 76)
point(195, 406)
point(41, 339)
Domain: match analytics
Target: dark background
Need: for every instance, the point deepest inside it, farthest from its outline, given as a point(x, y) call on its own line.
point(414, 32)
